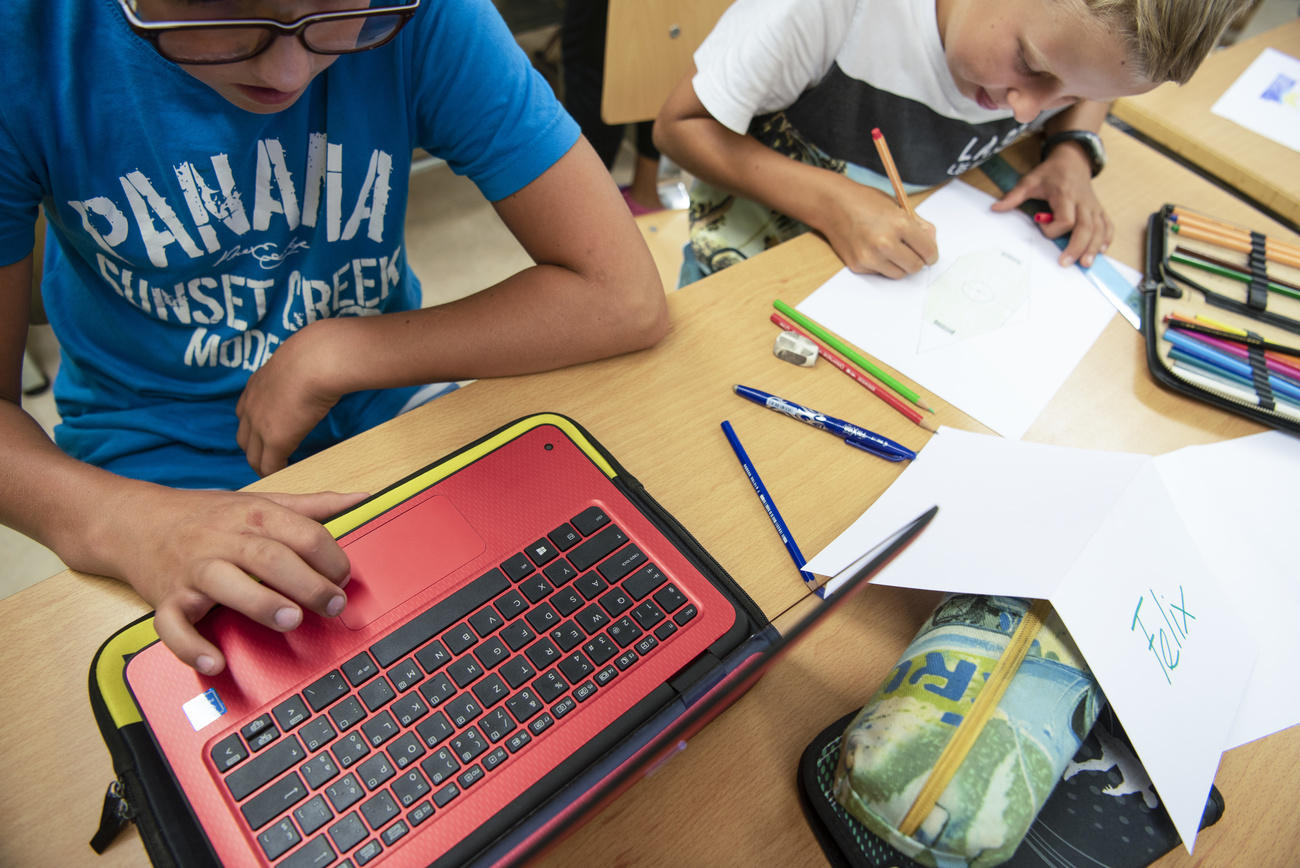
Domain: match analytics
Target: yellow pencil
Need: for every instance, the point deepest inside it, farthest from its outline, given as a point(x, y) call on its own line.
point(882, 148)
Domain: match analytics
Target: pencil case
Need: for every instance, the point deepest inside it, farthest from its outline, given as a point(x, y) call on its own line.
point(1221, 315)
point(952, 758)
point(1103, 813)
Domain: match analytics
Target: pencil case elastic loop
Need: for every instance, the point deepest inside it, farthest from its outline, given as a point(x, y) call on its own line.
point(1259, 377)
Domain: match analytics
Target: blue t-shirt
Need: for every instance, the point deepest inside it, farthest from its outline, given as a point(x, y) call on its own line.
point(189, 238)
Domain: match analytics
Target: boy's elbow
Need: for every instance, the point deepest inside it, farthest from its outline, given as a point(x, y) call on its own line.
point(643, 313)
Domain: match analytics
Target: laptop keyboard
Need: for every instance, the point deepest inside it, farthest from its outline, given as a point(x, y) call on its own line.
point(350, 765)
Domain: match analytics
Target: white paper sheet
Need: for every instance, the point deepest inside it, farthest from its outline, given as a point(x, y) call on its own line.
point(1265, 99)
point(1149, 562)
point(993, 328)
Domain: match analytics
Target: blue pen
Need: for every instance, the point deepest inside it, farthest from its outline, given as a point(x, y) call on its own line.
point(770, 508)
point(868, 441)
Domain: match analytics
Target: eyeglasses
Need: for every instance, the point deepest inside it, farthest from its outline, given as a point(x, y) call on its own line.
point(231, 40)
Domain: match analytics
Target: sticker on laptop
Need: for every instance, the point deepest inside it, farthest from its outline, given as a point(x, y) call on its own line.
point(204, 709)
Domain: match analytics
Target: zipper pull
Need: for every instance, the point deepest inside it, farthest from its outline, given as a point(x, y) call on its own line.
point(116, 814)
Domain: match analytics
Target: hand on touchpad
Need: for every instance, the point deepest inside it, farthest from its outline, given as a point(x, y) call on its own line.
point(394, 559)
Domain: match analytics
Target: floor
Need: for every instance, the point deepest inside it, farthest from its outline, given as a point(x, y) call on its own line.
point(457, 245)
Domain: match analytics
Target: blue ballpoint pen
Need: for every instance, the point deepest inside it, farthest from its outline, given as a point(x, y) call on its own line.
point(868, 441)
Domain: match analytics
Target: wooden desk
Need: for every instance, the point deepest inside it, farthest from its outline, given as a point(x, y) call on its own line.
point(729, 798)
point(1179, 119)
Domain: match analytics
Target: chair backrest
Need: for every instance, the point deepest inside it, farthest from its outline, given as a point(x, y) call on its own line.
point(648, 48)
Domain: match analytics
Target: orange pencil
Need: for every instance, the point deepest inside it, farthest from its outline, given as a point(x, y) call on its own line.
point(1239, 243)
point(882, 148)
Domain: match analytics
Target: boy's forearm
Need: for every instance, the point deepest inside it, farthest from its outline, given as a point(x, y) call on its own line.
point(1083, 115)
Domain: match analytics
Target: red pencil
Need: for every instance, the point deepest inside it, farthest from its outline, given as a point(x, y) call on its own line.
point(878, 389)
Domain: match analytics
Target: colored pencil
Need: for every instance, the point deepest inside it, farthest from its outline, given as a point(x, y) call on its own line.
point(1236, 350)
point(849, 353)
point(1201, 351)
point(1182, 215)
point(1208, 380)
point(1238, 242)
point(877, 389)
point(882, 148)
point(1282, 352)
point(1232, 266)
point(1229, 272)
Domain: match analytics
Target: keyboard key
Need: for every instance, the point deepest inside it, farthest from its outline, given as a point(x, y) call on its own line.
point(590, 585)
point(318, 733)
point(626, 659)
point(550, 685)
point(575, 667)
point(600, 649)
point(584, 691)
point(408, 709)
point(566, 601)
point(261, 769)
point(664, 630)
point(375, 771)
point(367, 852)
point(459, 638)
point(465, 671)
point(379, 809)
point(647, 614)
point(517, 635)
point(272, 801)
point(517, 567)
point(646, 645)
point(542, 618)
point(523, 705)
point(263, 738)
point(312, 815)
point(596, 549)
point(490, 691)
point(432, 656)
point(536, 588)
point(511, 604)
point(290, 713)
point(437, 689)
point(542, 653)
point(470, 776)
point(684, 615)
point(593, 619)
point(379, 728)
point(229, 752)
point(254, 728)
point(563, 707)
point(348, 832)
point(517, 741)
point(606, 675)
point(313, 854)
point(590, 520)
point(349, 749)
point(643, 581)
point(394, 832)
point(437, 618)
point(319, 770)
point(494, 759)
point(559, 572)
point(468, 745)
point(422, 812)
point(344, 794)
point(624, 631)
point(463, 709)
point(496, 725)
point(440, 766)
point(376, 694)
point(435, 729)
point(406, 749)
point(445, 795)
point(622, 563)
point(486, 621)
point(409, 787)
point(347, 713)
point(516, 671)
point(541, 552)
point(564, 537)
point(567, 636)
point(277, 840)
point(491, 652)
point(615, 602)
point(405, 675)
point(324, 690)
point(669, 598)
point(542, 723)
point(360, 668)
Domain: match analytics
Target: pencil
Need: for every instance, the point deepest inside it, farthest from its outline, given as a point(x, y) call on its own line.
point(877, 389)
point(1232, 266)
point(849, 353)
point(1182, 215)
point(1238, 241)
point(882, 148)
point(1228, 333)
point(1210, 264)
point(769, 506)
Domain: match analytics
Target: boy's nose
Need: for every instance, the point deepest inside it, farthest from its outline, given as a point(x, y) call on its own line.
point(1027, 103)
point(286, 64)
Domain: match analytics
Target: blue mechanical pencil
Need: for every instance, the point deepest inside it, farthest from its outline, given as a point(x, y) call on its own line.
point(868, 441)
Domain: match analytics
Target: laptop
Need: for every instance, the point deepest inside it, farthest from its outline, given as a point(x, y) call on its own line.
point(525, 628)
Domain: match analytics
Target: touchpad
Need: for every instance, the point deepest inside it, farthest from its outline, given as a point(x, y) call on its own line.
point(398, 558)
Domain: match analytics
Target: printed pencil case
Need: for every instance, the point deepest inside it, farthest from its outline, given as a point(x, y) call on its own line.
point(1221, 315)
point(952, 758)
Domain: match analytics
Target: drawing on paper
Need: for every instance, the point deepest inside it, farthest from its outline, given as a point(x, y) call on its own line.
point(1282, 90)
point(978, 295)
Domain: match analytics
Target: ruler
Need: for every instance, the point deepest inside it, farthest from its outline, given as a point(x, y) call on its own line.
point(1103, 274)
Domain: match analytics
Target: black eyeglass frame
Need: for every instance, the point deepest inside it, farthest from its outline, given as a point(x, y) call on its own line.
point(152, 31)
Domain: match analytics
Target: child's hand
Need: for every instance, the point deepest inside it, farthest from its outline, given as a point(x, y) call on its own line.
point(872, 235)
point(198, 549)
point(1064, 179)
point(285, 398)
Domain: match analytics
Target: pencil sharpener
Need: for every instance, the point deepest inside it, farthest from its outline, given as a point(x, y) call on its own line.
point(796, 349)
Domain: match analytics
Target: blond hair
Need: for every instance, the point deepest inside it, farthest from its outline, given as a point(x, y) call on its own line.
point(1168, 38)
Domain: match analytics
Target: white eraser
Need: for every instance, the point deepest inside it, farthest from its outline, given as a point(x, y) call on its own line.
point(796, 349)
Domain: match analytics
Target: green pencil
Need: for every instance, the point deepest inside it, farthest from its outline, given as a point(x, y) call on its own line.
point(849, 353)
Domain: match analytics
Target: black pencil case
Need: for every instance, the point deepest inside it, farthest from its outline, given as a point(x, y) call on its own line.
point(1221, 310)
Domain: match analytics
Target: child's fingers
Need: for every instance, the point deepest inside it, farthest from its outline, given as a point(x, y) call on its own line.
point(299, 528)
point(228, 585)
point(184, 640)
